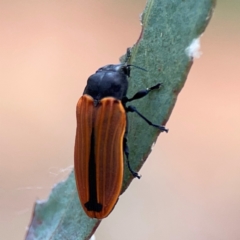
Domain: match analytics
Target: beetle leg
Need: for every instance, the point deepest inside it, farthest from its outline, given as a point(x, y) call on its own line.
point(133, 109)
point(143, 93)
point(126, 152)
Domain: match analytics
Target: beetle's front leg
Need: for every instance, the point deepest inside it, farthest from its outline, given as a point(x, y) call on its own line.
point(142, 93)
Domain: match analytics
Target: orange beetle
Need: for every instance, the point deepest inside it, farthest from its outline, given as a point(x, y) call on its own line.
point(101, 140)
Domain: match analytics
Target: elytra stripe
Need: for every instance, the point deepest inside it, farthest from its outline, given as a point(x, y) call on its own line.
point(109, 125)
point(82, 145)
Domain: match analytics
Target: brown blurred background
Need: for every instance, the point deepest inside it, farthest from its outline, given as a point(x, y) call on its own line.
point(190, 185)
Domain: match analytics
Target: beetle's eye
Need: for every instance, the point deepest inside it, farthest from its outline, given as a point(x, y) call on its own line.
point(126, 70)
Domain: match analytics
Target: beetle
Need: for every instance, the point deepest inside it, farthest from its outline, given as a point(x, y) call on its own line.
point(101, 138)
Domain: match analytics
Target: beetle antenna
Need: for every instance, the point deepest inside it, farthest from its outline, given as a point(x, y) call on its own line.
point(127, 55)
point(131, 65)
point(127, 58)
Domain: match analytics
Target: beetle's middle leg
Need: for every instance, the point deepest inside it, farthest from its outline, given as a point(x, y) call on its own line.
point(133, 109)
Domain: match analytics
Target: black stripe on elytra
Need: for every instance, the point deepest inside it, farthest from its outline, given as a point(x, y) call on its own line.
point(92, 204)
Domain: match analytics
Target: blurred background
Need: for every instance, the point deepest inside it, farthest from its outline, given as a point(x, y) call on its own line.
point(190, 185)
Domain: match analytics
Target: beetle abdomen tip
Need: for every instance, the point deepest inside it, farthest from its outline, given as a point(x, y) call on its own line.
point(93, 206)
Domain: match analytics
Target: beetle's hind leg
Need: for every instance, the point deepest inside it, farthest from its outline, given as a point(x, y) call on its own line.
point(126, 152)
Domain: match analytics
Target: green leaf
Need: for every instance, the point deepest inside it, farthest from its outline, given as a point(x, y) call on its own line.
point(169, 27)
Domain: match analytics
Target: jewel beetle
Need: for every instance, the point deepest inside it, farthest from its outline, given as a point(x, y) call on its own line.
point(101, 138)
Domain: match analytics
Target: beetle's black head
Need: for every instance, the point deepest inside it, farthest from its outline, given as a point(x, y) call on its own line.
point(109, 81)
point(120, 68)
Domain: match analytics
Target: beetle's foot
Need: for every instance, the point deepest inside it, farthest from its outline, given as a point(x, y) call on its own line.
point(135, 175)
point(163, 129)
